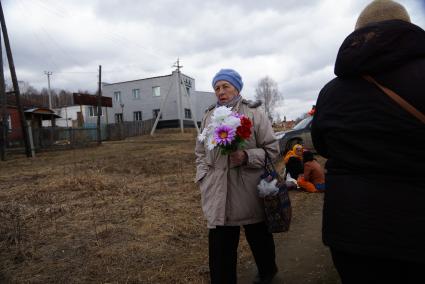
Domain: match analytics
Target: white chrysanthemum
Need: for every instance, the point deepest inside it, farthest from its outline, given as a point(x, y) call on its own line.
point(203, 135)
point(220, 114)
point(232, 121)
point(211, 143)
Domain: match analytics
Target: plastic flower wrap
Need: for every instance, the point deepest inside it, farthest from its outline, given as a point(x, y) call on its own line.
point(228, 130)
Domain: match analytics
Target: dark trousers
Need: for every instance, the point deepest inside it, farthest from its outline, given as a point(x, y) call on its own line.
point(223, 247)
point(365, 269)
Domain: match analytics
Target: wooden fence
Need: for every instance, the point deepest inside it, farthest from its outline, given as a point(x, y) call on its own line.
point(120, 131)
point(50, 138)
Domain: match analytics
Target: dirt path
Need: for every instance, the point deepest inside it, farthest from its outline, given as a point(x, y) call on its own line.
point(301, 255)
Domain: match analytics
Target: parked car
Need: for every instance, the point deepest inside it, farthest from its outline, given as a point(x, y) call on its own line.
point(300, 134)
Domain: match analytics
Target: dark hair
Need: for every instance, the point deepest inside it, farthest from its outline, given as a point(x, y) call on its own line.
point(308, 156)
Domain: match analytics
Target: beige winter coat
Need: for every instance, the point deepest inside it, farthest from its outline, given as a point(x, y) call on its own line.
point(229, 193)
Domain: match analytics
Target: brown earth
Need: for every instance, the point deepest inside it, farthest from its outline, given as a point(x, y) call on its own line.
point(129, 212)
point(301, 255)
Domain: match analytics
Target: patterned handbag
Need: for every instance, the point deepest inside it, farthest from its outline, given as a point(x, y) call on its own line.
point(277, 207)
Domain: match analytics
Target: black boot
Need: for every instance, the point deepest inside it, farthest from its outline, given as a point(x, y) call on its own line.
point(265, 279)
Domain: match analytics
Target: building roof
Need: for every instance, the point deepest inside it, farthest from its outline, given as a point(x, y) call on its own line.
point(46, 113)
point(116, 83)
point(108, 84)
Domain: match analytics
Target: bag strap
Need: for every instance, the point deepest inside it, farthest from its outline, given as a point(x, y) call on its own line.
point(269, 162)
point(403, 103)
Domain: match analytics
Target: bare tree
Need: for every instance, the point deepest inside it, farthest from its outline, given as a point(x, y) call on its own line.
point(278, 119)
point(268, 91)
point(32, 91)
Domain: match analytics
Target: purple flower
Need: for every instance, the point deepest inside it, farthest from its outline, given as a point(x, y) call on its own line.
point(224, 135)
point(237, 115)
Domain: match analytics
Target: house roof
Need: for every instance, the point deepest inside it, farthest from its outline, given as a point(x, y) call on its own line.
point(46, 113)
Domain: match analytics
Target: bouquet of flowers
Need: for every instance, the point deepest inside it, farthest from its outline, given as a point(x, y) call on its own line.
point(228, 130)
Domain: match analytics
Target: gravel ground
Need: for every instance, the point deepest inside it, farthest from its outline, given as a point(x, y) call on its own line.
point(301, 255)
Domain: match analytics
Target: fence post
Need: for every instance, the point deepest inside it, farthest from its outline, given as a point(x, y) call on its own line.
point(31, 140)
point(73, 138)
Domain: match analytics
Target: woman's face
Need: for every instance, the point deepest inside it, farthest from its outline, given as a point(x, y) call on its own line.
point(225, 91)
point(299, 151)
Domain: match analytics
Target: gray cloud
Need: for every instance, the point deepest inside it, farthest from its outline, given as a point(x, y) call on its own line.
point(293, 41)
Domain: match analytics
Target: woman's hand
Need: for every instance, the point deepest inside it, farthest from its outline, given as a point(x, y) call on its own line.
point(238, 158)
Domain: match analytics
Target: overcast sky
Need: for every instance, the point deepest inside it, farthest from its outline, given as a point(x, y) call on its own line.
point(295, 42)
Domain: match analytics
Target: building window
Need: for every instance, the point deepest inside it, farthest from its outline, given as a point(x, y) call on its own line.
point(117, 96)
point(118, 118)
point(93, 111)
point(136, 94)
point(137, 116)
point(155, 113)
point(156, 92)
point(187, 113)
point(188, 91)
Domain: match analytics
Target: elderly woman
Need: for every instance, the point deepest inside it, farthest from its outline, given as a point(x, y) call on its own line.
point(228, 185)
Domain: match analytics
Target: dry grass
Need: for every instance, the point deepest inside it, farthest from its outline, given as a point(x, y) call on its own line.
point(125, 212)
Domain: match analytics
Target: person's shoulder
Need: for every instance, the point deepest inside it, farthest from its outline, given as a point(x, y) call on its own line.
point(210, 108)
point(314, 163)
point(252, 104)
point(331, 84)
point(331, 89)
point(309, 165)
point(344, 83)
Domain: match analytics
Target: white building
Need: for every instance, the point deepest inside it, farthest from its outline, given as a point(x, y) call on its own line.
point(69, 116)
point(142, 99)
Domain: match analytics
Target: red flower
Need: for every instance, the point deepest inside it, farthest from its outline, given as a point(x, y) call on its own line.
point(244, 131)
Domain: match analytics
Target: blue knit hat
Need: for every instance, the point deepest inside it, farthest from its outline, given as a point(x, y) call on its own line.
point(230, 76)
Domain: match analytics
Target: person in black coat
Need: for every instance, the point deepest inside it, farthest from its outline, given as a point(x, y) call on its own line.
point(374, 218)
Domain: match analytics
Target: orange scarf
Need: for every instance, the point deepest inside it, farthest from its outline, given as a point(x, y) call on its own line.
point(292, 153)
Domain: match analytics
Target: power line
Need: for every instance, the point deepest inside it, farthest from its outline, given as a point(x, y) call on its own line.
point(60, 47)
point(112, 36)
point(50, 58)
point(50, 9)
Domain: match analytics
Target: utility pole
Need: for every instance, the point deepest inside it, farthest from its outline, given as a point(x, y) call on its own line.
point(3, 102)
point(48, 73)
point(161, 108)
point(179, 98)
point(99, 106)
point(192, 111)
point(15, 84)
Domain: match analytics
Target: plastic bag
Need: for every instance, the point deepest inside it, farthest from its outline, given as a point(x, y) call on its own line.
point(267, 188)
point(277, 204)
